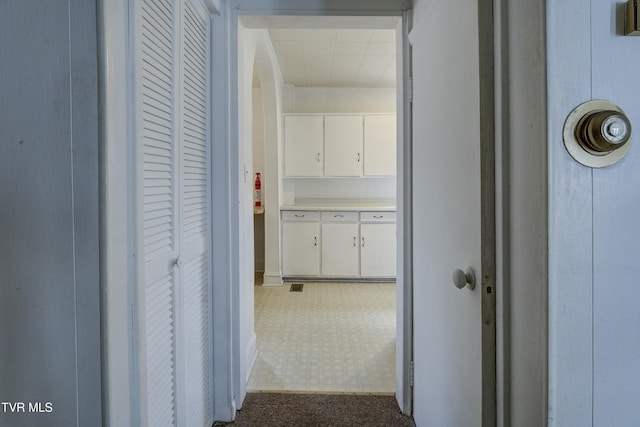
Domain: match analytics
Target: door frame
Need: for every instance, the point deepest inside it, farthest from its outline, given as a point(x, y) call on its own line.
point(228, 389)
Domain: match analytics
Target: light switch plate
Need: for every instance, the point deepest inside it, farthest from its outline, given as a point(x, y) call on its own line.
point(632, 24)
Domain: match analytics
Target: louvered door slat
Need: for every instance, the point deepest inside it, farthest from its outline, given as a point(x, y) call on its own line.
point(196, 342)
point(160, 320)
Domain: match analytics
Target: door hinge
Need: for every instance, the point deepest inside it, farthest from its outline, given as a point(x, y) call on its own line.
point(411, 373)
point(410, 88)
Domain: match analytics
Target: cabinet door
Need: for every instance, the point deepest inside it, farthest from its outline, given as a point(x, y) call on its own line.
point(380, 145)
point(340, 250)
point(343, 146)
point(301, 248)
point(378, 250)
point(303, 142)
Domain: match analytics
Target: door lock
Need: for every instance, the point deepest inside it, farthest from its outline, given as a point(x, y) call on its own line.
point(597, 134)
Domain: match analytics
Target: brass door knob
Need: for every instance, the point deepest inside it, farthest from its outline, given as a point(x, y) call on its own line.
point(597, 133)
point(602, 132)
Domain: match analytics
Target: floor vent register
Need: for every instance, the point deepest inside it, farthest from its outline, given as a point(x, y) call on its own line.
point(296, 287)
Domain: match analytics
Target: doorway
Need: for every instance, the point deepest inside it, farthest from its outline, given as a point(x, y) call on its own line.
point(247, 338)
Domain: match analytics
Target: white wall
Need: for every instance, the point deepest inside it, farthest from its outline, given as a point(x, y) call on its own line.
point(255, 47)
point(258, 167)
point(343, 100)
point(258, 131)
point(247, 40)
point(594, 354)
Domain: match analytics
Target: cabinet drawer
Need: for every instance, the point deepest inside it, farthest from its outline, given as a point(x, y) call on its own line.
point(378, 216)
point(300, 216)
point(339, 216)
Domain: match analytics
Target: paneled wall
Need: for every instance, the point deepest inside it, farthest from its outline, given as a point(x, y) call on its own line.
point(594, 340)
point(49, 255)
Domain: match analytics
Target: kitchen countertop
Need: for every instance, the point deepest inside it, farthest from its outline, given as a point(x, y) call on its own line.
point(385, 205)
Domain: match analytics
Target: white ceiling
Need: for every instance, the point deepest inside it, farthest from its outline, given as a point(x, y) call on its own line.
point(336, 57)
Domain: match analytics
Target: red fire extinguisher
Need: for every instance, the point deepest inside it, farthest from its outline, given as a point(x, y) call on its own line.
point(257, 194)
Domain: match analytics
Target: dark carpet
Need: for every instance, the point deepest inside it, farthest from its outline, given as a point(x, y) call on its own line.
point(284, 409)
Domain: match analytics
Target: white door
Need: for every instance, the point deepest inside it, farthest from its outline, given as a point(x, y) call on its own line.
point(448, 359)
point(303, 145)
point(156, 143)
point(172, 142)
point(377, 250)
point(340, 249)
point(343, 145)
point(301, 248)
point(194, 215)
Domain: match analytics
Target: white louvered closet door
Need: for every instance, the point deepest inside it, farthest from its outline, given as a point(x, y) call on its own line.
point(156, 146)
point(172, 108)
point(194, 131)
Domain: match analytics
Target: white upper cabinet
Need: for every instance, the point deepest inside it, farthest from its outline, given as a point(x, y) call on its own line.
point(343, 145)
point(303, 145)
point(347, 145)
point(380, 145)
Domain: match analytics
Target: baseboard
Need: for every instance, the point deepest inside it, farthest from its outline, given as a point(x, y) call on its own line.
point(339, 279)
point(272, 279)
point(252, 355)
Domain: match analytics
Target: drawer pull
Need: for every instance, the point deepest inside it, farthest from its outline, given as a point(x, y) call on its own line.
point(354, 241)
point(338, 216)
point(315, 240)
point(378, 216)
point(298, 216)
point(363, 242)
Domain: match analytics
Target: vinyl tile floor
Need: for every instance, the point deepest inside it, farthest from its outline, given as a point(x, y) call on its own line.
point(331, 337)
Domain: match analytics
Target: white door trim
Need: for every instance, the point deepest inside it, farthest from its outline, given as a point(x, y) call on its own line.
point(227, 352)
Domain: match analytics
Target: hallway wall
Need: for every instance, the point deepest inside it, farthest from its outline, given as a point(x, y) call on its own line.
point(254, 45)
point(594, 341)
point(49, 255)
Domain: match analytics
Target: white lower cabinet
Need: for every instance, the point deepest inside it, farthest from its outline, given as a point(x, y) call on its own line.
point(339, 244)
point(378, 250)
point(340, 249)
point(301, 248)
